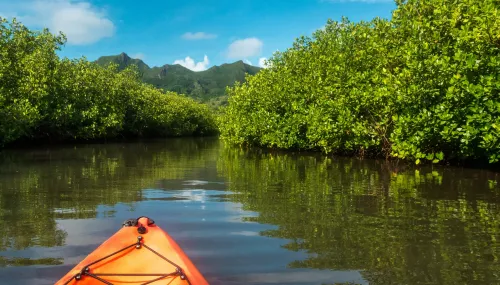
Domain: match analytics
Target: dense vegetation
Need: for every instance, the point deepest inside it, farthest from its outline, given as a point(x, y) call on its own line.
point(421, 86)
point(206, 86)
point(45, 97)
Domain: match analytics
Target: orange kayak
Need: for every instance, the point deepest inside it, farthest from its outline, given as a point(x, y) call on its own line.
point(139, 253)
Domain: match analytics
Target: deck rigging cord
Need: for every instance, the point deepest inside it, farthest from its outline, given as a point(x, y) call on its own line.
point(87, 271)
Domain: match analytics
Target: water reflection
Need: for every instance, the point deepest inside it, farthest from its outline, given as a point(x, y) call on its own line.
point(398, 226)
point(41, 185)
point(251, 217)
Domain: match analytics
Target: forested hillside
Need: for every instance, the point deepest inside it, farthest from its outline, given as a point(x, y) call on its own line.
point(207, 86)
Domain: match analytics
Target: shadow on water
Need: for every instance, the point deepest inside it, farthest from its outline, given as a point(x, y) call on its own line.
point(249, 217)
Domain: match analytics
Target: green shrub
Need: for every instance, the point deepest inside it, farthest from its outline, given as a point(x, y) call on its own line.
point(44, 97)
point(422, 85)
point(27, 63)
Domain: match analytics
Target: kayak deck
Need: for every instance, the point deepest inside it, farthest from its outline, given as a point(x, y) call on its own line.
point(139, 253)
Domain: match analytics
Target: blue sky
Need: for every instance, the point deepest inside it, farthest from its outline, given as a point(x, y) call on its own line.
point(196, 34)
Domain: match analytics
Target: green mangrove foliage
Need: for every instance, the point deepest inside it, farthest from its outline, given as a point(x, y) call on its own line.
point(45, 97)
point(397, 226)
point(421, 86)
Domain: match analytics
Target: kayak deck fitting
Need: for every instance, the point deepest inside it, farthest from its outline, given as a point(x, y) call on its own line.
point(139, 253)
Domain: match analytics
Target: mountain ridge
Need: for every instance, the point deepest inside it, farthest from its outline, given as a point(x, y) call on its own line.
point(125, 57)
point(207, 85)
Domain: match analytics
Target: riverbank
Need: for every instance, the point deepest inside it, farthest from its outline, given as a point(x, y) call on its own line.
point(46, 98)
point(422, 87)
point(368, 89)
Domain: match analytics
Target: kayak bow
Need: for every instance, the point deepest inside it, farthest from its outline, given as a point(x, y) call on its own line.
point(139, 253)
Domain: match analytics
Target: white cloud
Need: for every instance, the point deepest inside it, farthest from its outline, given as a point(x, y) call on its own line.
point(247, 61)
point(81, 22)
point(263, 63)
point(245, 48)
point(198, 36)
point(138, 55)
point(189, 63)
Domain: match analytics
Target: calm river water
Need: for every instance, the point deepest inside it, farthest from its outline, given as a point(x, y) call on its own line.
point(250, 217)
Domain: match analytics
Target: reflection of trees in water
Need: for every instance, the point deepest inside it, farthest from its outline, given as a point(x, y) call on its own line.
point(400, 227)
point(406, 227)
point(23, 261)
point(39, 186)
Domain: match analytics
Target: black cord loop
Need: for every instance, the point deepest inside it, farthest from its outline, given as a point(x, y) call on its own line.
point(86, 271)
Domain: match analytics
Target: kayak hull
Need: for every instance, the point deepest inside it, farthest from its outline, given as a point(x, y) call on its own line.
point(138, 253)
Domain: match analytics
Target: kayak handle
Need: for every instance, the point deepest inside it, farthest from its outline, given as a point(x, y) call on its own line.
point(134, 222)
